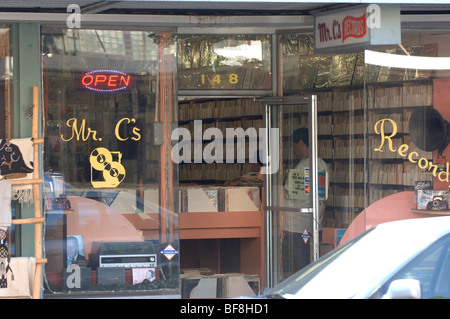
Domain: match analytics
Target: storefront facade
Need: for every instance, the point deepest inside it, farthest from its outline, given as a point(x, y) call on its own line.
point(151, 130)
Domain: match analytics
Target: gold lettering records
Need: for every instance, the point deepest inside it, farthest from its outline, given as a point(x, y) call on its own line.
point(413, 157)
point(103, 162)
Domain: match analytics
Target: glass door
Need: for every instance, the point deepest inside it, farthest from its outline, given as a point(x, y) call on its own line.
point(295, 194)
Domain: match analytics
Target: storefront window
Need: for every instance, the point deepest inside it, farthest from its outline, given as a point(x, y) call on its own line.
point(381, 130)
point(110, 188)
point(407, 123)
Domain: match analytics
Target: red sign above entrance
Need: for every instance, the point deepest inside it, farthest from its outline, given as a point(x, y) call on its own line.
point(357, 28)
point(354, 27)
point(341, 28)
point(105, 81)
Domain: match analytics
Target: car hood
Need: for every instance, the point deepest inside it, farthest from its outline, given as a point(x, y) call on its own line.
point(360, 267)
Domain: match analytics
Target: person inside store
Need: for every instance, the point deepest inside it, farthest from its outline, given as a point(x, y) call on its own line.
point(251, 178)
point(73, 251)
point(296, 253)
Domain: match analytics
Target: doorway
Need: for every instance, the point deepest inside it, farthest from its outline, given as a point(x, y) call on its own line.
point(295, 195)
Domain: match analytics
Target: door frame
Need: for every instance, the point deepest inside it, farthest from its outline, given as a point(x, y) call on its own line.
point(272, 105)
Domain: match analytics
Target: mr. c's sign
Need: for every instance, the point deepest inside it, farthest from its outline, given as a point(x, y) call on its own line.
point(105, 81)
point(357, 28)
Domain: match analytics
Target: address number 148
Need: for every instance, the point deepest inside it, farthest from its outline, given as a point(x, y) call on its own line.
point(232, 79)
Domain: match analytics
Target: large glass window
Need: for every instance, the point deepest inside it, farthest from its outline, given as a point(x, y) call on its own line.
point(407, 129)
point(110, 188)
point(382, 126)
point(352, 97)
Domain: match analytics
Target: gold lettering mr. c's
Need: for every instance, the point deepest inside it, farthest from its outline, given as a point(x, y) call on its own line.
point(81, 132)
point(135, 130)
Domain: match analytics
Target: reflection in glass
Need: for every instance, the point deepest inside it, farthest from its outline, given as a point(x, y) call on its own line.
point(303, 69)
point(100, 160)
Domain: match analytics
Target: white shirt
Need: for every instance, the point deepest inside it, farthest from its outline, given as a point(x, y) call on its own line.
point(296, 222)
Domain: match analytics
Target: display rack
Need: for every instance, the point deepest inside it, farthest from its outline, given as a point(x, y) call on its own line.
point(432, 212)
point(247, 227)
point(38, 219)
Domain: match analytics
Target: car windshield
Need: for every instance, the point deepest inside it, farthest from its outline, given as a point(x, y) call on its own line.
point(294, 283)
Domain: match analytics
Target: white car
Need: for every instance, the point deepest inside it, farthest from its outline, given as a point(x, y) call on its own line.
point(401, 259)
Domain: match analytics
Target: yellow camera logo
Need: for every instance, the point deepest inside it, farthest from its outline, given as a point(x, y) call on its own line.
point(108, 164)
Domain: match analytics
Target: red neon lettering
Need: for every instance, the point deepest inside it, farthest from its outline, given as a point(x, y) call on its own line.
point(98, 77)
point(106, 81)
point(89, 77)
point(122, 80)
point(113, 78)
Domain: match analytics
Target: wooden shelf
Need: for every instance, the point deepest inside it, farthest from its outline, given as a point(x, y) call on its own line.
point(432, 212)
point(212, 229)
point(207, 225)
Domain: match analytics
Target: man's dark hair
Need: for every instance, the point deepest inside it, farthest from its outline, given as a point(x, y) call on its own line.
point(301, 134)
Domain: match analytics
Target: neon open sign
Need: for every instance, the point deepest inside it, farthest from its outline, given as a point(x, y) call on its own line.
point(105, 81)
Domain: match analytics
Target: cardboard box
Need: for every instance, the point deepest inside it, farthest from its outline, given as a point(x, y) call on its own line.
point(242, 199)
point(236, 285)
point(199, 287)
point(219, 286)
point(220, 199)
point(199, 199)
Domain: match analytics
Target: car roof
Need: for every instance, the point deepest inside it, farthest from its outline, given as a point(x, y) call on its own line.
point(425, 228)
